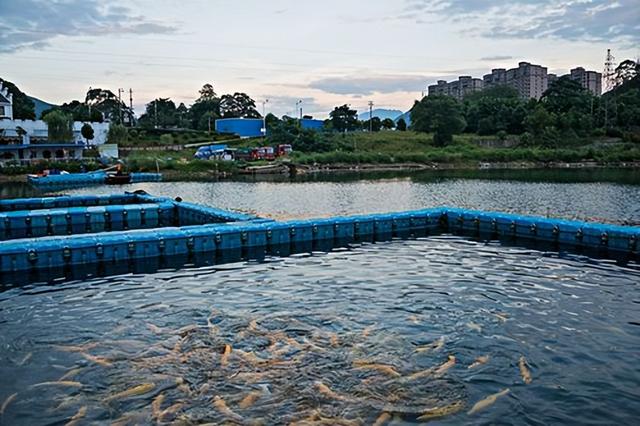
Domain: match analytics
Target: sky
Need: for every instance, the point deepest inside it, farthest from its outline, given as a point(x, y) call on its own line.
point(324, 53)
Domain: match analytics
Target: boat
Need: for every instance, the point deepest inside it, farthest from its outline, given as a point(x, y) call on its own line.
point(98, 177)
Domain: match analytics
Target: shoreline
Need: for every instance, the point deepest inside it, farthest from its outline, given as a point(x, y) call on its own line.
point(297, 170)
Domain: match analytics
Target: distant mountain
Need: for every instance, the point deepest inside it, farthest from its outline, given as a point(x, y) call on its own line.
point(406, 116)
point(40, 106)
point(380, 113)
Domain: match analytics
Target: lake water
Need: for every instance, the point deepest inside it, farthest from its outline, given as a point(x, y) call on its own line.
point(403, 327)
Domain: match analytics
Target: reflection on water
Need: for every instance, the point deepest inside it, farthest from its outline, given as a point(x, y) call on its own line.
point(432, 325)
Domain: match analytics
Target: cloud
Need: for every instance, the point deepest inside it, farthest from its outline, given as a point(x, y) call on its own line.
point(364, 86)
point(33, 23)
point(497, 58)
point(576, 20)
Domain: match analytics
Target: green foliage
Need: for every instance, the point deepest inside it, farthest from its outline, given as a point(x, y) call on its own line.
point(374, 124)
point(160, 112)
point(441, 115)
point(388, 124)
point(343, 118)
point(401, 125)
point(23, 107)
point(166, 139)
point(238, 105)
point(87, 132)
point(109, 105)
point(118, 134)
point(59, 126)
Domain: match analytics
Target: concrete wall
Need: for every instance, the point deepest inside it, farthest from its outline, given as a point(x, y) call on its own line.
point(38, 128)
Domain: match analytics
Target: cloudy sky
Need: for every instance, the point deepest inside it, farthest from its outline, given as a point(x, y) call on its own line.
point(324, 53)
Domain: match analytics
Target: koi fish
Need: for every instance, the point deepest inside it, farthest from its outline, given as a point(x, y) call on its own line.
point(501, 316)
point(443, 411)
point(474, 326)
point(156, 406)
point(222, 407)
point(382, 419)
point(250, 399)
point(382, 368)
point(433, 370)
point(65, 383)
point(71, 373)
point(6, 402)
point(367, 330)
point(75, 420)
point(154, 328)
point(171, 411)
point(524, 370)
point(414, 319)
point(96, 359)
point(486, 402)
point(447, 365)
point(225, 355)
point(134, 391)
point(326, 391)
point(334, 340)
point(26, 358)
point(81, 348)
point(479, 361)
point(433, 346)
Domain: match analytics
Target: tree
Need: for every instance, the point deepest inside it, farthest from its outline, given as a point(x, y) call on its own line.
point(344, 118)
point(388, 124)
point(160, 112)
point(118, 134)
point(87, 132)
point(401, 125)
point(182, 113)
point(375, 124)
point(207, 121)
point(566, 94)
point(59, 126)
point(207, 93)
point(107, 103)
point(441, 115)
point(627, 71)
point(23, 107)
point(238, 105)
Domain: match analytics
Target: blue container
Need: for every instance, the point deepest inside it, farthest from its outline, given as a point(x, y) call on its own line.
point(243, 127)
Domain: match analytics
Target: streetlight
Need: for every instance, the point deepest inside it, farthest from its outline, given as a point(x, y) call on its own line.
point(264, 118)
point(298, 103)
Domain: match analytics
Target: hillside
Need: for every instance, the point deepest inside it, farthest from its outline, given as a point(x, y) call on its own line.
point(40, 106)
point(381, 113)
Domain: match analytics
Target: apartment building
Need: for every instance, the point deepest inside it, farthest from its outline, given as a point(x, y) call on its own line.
point(529, 80)
point(457, 88)
point(590, 80)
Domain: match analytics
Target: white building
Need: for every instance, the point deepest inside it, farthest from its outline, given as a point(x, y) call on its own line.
point(590, 80)
point(6, 103)
point(457, 88)
point(530, 80)
point(37, 130)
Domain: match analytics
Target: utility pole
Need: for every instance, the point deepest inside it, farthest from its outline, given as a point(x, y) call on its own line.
point(131, 105)
point(370, 116)
point(264, 117)
point(120, 91)
point(299, 103)
point(609, 83)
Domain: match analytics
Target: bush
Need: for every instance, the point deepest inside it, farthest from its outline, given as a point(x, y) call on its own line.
point(166, 140)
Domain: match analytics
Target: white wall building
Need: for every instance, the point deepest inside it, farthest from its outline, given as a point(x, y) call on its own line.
point(6, 103)
point(36, 130)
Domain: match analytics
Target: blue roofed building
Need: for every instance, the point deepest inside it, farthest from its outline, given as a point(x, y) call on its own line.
point(243, 127)
point(311, 124)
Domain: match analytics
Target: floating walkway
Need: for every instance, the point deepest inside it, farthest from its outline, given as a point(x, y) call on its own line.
point(98, 177)
point(57, 232)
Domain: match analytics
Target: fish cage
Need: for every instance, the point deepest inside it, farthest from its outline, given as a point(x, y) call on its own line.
point(56, 232)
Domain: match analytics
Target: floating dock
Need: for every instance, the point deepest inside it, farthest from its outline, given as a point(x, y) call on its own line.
point(58, 232)
point(90, 178)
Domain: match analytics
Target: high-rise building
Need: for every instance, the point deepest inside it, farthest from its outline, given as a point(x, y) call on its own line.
point(457, 88)
point(590, 80)
point(528, 79)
